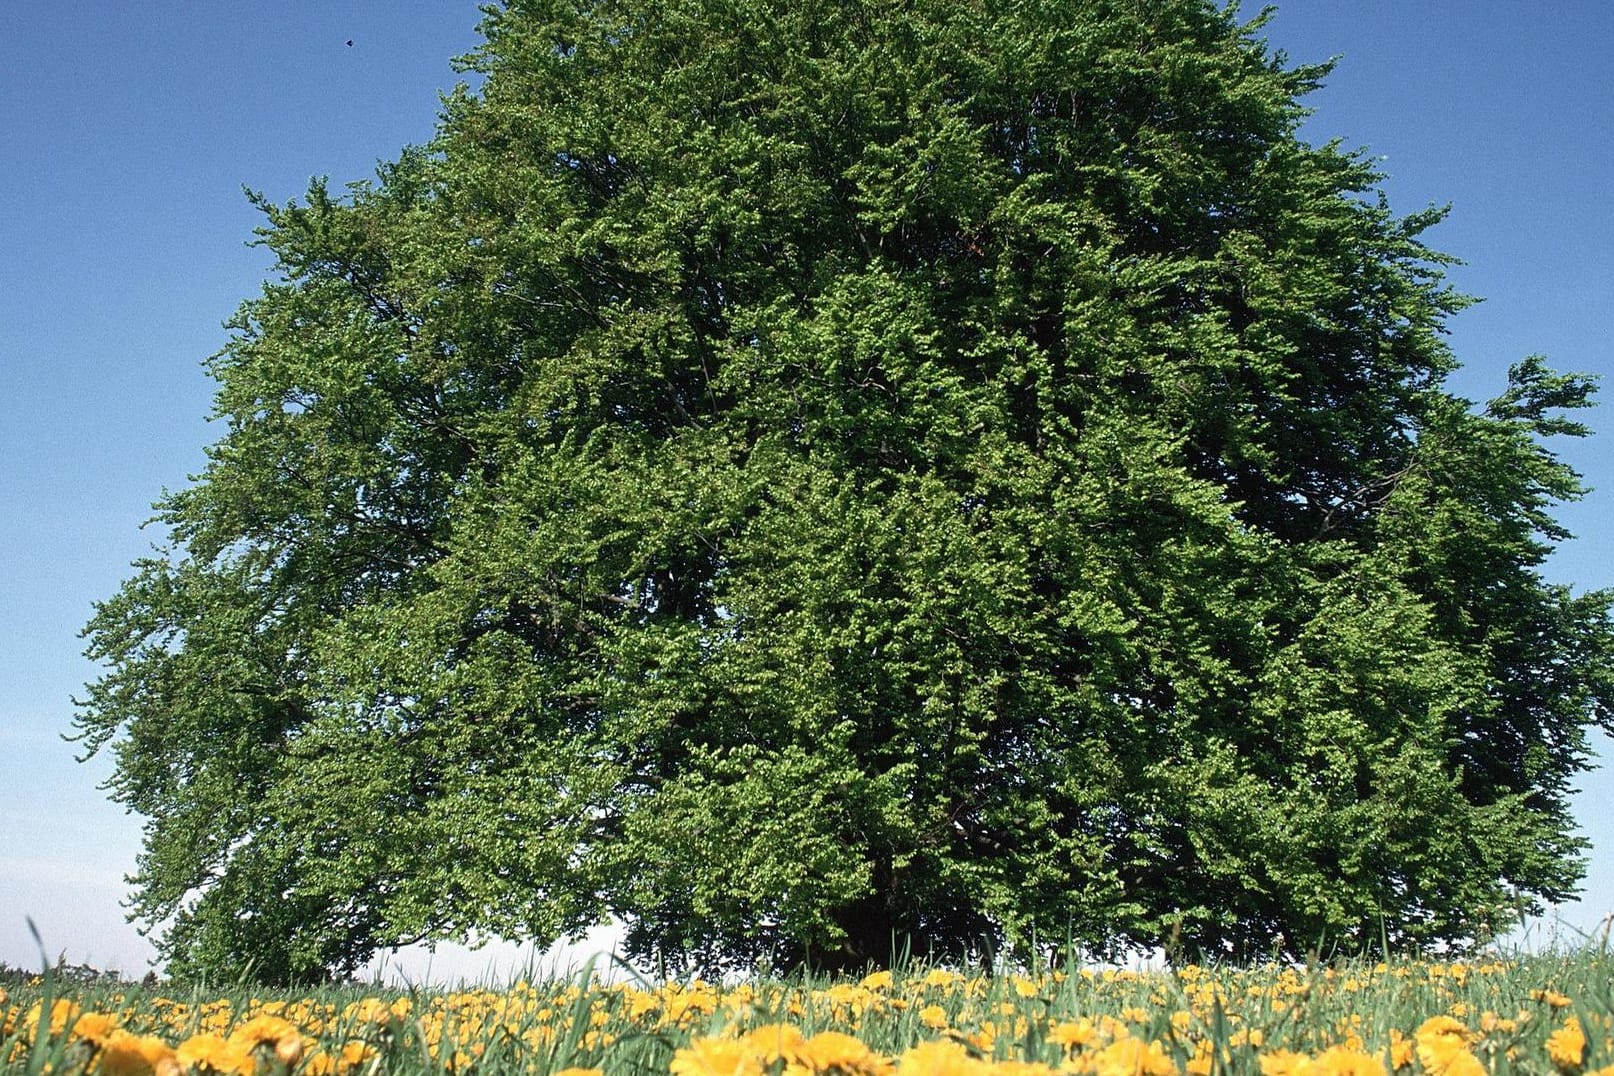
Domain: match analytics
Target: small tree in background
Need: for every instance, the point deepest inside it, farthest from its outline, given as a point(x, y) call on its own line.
point(799, 476)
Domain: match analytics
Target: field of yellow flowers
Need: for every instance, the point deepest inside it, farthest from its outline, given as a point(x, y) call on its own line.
point(1547, 1015)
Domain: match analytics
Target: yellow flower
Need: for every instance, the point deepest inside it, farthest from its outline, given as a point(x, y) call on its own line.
point(63, 1015)
point(1022, 1068)
point(369, 1011)
point(1551, 997)
point(715, 1057)
point(1344, 1061)
point(123, 1054)
point(1567, 1046)
point(880, 980)
point(774, 1042)
point(933, 1017)
point(1439, 1039)
point(1072, 1034)
point(278, 1034)
point(212, 1052)
point(1442, 1048)
point(1401, 1050)
point(833, 1051)
point(95, 1026)
point(1133, 1057)
point(353, 1054)
point(580, 1072)
point(940, 1058)
point(1284, 1063)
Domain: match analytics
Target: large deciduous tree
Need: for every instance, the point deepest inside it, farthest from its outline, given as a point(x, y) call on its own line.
point(804, 477)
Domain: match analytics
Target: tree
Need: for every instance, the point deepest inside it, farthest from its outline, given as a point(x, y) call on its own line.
point(804, 478)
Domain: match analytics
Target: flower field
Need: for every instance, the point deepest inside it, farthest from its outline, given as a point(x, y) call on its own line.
point(1537, 1015)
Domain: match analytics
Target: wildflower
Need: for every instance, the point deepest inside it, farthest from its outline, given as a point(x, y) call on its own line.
point(834, 1051)
point(683, 1007)
point(1072, 1034)
point(880, 980)
point(1284, 1063)
point(1401, 1050)
point(1442, 1048)
point(940, 1058)
point(1551, 997)
point(580, 1072)
point(1133, 1057)
point(715, 1057)
point(1022, 1068)
point(94, 1026)
point(775, 1042)
point(1567, 1046)
point(933, 1017)
point(123, 1054)
point(353, 1054)
point(277, 1034)
point(212, 1052)
point(63, 1015)
point(642, 1002)
point(1345, 1061)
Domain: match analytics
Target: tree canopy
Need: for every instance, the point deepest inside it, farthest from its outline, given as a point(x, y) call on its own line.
point(804, 477)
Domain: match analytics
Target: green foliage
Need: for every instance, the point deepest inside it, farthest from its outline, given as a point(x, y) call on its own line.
point(811, 478)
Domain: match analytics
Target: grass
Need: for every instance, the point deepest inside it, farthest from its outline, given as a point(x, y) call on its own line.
point(1549, 1014)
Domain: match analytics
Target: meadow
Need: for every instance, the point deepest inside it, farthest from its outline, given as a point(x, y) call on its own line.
point(1550, 1014)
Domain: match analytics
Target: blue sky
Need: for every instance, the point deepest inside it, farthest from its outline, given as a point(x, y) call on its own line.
point(132, 129)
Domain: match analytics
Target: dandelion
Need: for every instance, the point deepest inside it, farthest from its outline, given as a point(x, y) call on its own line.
point(212, 1052)
point(1073, 1034)
point(880, 980)
point(123, 1054)
point(352, 1055)
point(1284, 1063)
point(1401, 1050)
point(940, 1058)
point(1567, 1047)
point(1442, 1048)
point(837, 1052)
point(279, 1035)
point(1022, 1068)
point(1345, 1061)
point(715, 1057)
point(95, 1027)
point(1133, 1057)
point(775, 1042)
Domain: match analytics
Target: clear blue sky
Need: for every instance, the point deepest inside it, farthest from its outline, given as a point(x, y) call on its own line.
point(132, 128)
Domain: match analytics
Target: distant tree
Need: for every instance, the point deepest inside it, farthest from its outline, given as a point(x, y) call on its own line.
point(807, 477)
